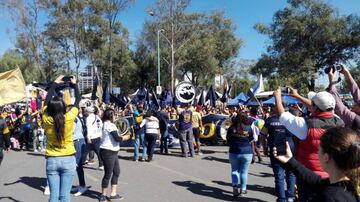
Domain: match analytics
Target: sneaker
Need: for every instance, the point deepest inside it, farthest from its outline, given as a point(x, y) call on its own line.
point(101, 168)
point(47, 191)
point(91, 162)
point(117, 197)
point(81, 190)
point(200, 153)
point(102, 198)
point(35, 150)
point(75, 189)
point(243, 192)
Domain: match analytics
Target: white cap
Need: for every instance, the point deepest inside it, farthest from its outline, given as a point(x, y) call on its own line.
point(90, 109)
point(311, 94)
point(324, 101)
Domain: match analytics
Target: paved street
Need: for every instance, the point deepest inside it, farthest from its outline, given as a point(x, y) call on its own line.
point(167, 179)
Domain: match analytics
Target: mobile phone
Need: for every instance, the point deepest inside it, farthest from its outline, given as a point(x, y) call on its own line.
point(280, 143)
point(337, 67)
point(285, 90)
point(67, 78)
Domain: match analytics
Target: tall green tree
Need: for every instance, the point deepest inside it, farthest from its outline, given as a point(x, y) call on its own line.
point(194, 43)
point(12, 59)
point(25, 14)
point(306, 37)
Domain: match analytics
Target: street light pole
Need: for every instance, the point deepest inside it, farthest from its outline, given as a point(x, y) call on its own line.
point(158, 56)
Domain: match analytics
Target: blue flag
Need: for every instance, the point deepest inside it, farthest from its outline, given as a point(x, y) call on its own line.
point(106, 93)
point(226, 93)
point(256, 88)
point(201, 100)
point(120, 103)
point(211, 96)
point(154, 102)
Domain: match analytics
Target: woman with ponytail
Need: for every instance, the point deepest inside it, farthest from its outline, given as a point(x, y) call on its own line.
point(339, 155)
point(60, 149)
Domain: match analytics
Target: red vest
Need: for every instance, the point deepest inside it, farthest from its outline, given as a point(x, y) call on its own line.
point(307, 152)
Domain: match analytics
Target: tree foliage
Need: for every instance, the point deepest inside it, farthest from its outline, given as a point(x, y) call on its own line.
point(306, 37)
point(204, 44)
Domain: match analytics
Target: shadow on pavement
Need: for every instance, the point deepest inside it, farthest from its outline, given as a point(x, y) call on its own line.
point(204, 190)
point(92, 194)
point(262, 174)
point(212, 192)
point(35, 154)
point(252, 187)
point(9, 198)
point(127, 158)
point(35, 182)
point(212, 158)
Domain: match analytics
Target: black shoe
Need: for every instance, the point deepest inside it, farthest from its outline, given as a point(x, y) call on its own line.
point(102, 198)
point(235, 192)
point(117, 197)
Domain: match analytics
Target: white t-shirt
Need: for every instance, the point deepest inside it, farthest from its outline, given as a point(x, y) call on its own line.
point(151, 125)
point(94, 126)
point(296, 125)
point(107, 140)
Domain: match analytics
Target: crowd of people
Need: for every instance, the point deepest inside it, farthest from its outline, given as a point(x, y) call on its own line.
point(313, 146)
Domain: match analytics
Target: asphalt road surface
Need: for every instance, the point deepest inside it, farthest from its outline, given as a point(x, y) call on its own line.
point(169, 178)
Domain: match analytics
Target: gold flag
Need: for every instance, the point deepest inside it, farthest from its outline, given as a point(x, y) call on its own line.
point(12, 87)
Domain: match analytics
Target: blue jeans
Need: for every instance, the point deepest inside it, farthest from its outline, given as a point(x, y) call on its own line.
point(80, 156)
point(140, 139)
point(95, 146)
point(240, 164)
point(60, 173)
point(279, 173)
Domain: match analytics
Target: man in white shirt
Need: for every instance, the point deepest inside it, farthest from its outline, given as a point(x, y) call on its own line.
point(309, 130)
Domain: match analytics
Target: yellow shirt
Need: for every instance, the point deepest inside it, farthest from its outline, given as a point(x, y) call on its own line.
point(65, 147)
point(196, 118)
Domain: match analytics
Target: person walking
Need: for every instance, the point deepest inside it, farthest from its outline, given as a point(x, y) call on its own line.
point(196, 125)
point(152, 132)
point(139, 134)
point(60, 149)
point(80, 147)
point(240, 152)
point(4, 141)
point(278, 134)
point(163, 124)
point(109, 148)
point(94, 131)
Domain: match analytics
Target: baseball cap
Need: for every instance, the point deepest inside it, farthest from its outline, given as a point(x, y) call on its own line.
point(324, 101)
point(90, 109)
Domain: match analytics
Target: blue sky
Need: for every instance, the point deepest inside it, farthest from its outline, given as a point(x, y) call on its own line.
point(244, 13)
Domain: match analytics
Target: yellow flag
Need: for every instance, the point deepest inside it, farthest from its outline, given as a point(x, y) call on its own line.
point(12, 87)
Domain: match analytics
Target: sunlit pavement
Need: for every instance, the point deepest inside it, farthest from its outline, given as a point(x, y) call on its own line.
point(169, 178)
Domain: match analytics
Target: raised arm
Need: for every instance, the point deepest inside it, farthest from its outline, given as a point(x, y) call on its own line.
point(340, 109)
point(51, 91)
point(77, 91)
point(355, 92)
point(299, 170)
